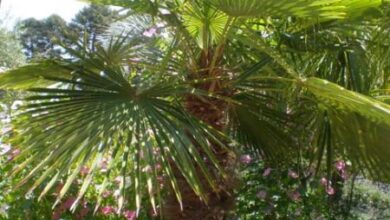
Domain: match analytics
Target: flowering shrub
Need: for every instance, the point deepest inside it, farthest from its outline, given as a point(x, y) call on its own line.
point(16, 203)
point(270, 193)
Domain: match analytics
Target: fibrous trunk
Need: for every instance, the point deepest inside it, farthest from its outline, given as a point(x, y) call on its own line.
point(221, 201)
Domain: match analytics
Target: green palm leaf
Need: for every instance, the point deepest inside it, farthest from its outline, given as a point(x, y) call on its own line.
point(96, 110)
point(31, 75)
point(359, 124)
point(204, 23)
point(334, 9)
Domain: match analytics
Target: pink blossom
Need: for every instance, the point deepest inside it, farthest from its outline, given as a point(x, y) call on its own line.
point(118, 179)
point(340, 165)
point(298, 212)
point(4, 148)
point(246, 159)
point(160, 179)
point(104, 165)
point(84, 170)
point(293, 174)
point(150, 32)
point(6, 130)
point(324, 181)
point(13, 154)
point(156, 151)
point(295, 196)
point(56, 215)
point(129, 215)
point(147, 169)
point(344, 175)
point(262, 194)
point(108, 210)
point(267, 171)
point(68, 203)
point(158, 166)
point(106, 194)
point(330, 190)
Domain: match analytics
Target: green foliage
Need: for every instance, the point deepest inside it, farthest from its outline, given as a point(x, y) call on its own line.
point(38, 36)
point(29, 75)
point(91, 23)
point(280, 196)
point(272, 193)
point(45, 38)
point(129, 99)
point(11, 54)
point(314, 8)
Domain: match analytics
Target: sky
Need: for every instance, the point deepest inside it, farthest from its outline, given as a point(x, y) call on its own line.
point(12, 10)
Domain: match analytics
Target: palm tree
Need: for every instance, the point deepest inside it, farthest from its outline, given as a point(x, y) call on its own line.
point(196, 82)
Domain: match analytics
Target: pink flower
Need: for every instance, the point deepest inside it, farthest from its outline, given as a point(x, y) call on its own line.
point(267, 171)
point(324, 181)
point(68, 203)
point(56, 215)
point(262, 194)
point(6, 130)
point(246, 159)
point(340, 165)
point(295, 196)
point(4, 148)
point(150, 32)
point(156, 151)
point(84, 170)
point(106, 194)
point(104, 165)
point(158, 166)
point(160, 180)
point(108, 210)
point(118, 179)
point(129, 215)
point(344, 175)
point(15, 152)
point(293, 174)
point(147, 169)
point(298, 212)
point(330, 190)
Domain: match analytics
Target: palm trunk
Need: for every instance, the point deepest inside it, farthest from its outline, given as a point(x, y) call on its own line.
point(221, 201)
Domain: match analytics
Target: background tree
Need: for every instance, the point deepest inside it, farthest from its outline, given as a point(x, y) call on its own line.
point(91, 23)
point(11, 54)
point(40, 38)
point(37, 36)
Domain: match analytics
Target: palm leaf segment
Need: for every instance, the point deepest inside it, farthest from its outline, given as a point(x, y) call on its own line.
point(328, 9)
point(359, 126)
point(205, 33)
point(98, 111)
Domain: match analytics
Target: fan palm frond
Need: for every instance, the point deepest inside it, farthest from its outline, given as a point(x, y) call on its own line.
point(334, 9)
point(98, 110)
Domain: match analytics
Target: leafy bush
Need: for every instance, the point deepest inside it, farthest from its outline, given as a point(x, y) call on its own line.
point(269, 193)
